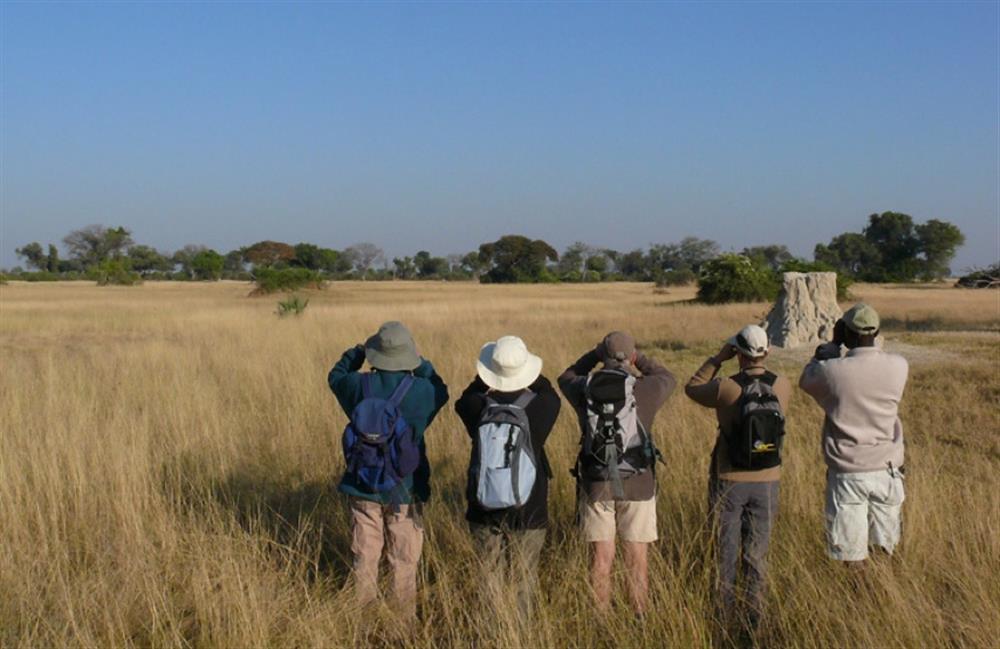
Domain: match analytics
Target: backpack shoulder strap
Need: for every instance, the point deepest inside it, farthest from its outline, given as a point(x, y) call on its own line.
point(769, 377)
point(399, 393)
point(523, 400)
point(366, 385)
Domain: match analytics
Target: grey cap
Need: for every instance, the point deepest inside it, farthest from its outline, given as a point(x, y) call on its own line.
point(392, 349)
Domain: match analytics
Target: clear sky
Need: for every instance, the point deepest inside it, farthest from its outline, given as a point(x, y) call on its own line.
point(441, 126)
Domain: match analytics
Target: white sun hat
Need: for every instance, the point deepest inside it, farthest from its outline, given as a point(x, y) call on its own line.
point(507, 365)
point(750, 341)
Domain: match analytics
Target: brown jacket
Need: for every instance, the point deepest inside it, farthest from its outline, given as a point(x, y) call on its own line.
point(723, 394)
point(651, 391)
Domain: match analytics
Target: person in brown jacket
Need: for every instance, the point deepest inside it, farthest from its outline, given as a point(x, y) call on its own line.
point(744, 502)
point(627, 506)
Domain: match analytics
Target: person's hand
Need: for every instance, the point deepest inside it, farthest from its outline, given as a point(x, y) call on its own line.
point(727, 352)
point(839, 331)
point(600, 351)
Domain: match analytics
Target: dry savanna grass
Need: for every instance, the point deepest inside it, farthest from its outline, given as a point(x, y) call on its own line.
point(168, 456)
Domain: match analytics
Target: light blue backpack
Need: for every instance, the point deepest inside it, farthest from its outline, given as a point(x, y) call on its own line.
point(504, 463)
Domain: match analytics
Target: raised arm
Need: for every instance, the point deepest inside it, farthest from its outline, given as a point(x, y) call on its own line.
point(426, 371)
point(660, 381)
point(569, 381)
point(350, 362)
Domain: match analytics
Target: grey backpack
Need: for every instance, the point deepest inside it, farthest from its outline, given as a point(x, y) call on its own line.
point(614, 446)
point(504, 464)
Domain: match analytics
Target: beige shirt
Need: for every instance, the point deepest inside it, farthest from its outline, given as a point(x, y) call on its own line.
point(723, 394)
point(860, 393)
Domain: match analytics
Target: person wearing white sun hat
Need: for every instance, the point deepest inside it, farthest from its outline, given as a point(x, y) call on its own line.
point(508, 411)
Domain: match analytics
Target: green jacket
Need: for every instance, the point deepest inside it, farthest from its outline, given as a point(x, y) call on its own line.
point(423, 401)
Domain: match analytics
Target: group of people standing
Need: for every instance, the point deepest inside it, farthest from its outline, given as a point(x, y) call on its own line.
point(510, 408)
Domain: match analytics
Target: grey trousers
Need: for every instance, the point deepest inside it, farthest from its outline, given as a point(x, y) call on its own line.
point(744, 513)
point(509, 559)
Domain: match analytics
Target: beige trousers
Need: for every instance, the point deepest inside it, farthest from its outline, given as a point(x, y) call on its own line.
point(372, 524)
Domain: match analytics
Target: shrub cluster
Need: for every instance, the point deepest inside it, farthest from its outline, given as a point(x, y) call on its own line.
point(735, 278)
point(273, 280)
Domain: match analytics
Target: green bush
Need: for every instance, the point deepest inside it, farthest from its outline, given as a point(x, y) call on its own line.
point(844, 281)
point(735, 278)
point(273, 280)
point(681, 277)
point(114, 272)
point(292, 306)
point(39, 276)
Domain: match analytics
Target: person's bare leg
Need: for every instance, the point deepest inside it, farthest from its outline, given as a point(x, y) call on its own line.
point(602, 557)
point(637, 564)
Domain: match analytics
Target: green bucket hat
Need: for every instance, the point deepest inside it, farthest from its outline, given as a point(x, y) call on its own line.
point(392, 349)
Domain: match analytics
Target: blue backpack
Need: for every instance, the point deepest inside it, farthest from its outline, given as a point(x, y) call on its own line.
point(380, 448)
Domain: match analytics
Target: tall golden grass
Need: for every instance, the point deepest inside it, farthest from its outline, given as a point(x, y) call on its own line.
point(168, 458)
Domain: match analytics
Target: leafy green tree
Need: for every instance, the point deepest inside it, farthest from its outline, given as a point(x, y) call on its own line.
point(429, 266)
point(234, 261)
point(404, 267)
point(893, 235)
point(516, 258)
point(574, 258)
point(185, 258)
point(473, 264)
point(937, 242)
point(597, 263)
point(146, 259)
point(34, 256)
point(892, 248)
point(772, 256)
point(207, 265)
point(689, 253)
point(634, 265)
point(52, 262)
point(849, 253)
point(95, 243)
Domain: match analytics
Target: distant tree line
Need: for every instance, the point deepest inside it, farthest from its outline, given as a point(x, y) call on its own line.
point(890, 248)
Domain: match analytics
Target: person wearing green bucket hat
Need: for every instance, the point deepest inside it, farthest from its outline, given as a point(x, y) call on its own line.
point(387, 476)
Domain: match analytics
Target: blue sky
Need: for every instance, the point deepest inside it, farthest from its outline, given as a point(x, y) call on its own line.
point(441, 126)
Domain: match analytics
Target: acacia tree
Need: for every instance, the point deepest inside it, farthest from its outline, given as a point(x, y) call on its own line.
point(265, 254)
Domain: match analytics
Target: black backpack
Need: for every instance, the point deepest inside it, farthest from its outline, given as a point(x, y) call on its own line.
point(755, 439)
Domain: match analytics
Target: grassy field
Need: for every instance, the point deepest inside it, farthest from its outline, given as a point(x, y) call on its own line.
point(168, 456)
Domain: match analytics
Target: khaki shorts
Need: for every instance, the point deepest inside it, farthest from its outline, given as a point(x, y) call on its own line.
point(862, 510)
point(635, 520)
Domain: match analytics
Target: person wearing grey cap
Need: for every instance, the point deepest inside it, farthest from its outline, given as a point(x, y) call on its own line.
point(860, 391)
point(616, 485)
point(743, 487)
point(396, 369)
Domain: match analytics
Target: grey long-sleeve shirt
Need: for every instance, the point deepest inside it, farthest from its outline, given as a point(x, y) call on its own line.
point(860, 393)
